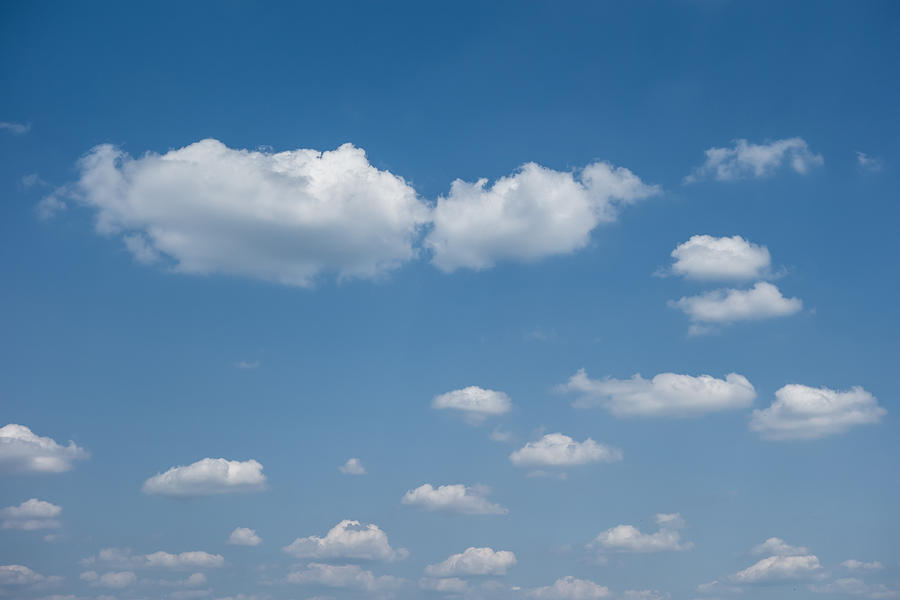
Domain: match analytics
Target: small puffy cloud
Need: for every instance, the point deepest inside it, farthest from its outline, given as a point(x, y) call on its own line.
point(15, 128)
point(856, 565)
point(869, 163)
point(208, 476)
point(778, 547)
point(343, 576)
point(802, 413)
point(558, 450)
point(627, 538)
point(459, 498)
point(113, 579)
point(570, 588)
point(353, 466)
point(242, 536)
point(781, 568)
point(708, 258)
point(23, 451)
point(475, 403)
point(451, 585)
point(123, 558)
point(745, 160)
point(666, 395)
point(347, 540)
point(850, 586)
point(284, 217)
point(19, 575)
point(473, 561)
point(762, 301)
point(31, 514)
point(534, 213)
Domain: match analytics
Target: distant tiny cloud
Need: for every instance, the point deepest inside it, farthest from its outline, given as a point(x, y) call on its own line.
point(474, 403)
point(800, 412)
point(745, 160)
point(247, 364)
point(459, 498)
point(23, 451)
point(353, 466)
point(243, 536)
point(869, 163)
point(855, 565)
point(207, 477)
point(15, 128)
point(570, 588)
point(559, 450)
point(627, 538)
point(501, 435)
point(31, 514)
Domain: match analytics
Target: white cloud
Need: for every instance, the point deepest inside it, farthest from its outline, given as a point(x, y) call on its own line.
point(112, 580)
point(706, 257)
point(851, 586)
point(644, 595)
point(570, 588)
point(23, 451)
point(534, 213)
point(869, 163)
point(474, 561)
point(475, 403)
point(124, 559)
point(353, 466)
point(558, 450)
point(344, 576)
point(666, 395)
point(762, 301)
point(208, 476)
point(347, 540)
point(627, 538)
point(459, 498)
point(745, 160)
point(778, 547)
point(15, 128)
point(243, 536)
point(31, 514)
point(453, 585)
point(285, 217)
point(855, 565)
point(781, 568)
point(801, 412)
point(19, 575)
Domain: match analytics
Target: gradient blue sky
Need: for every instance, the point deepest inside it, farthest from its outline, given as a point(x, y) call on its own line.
point(147, 367)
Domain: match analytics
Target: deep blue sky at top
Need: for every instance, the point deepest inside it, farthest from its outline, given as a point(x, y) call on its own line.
point(136, 364)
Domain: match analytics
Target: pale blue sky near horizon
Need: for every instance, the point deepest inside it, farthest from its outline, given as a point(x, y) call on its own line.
point(147, 368)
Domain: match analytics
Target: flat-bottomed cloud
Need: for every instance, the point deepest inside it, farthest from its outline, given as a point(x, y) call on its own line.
point(347, 540)
point(459, 498)
point(559, 450)
point(23, 451)
point(208, 476)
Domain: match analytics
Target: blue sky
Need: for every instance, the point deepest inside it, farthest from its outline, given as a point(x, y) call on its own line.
point(601, 298)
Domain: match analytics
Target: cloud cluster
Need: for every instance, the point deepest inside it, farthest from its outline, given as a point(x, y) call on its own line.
point(747, 160)
point(627, 538)
point(458, 498)
point(23, 451)
point(800, 412)
point(123, 558)
point(206, 477)
point(476, 404)
point(347, 540)
point(558, 450)
point(665, 395)
point(31, 514)
point(706, 257)
point(534, 213)
point(473, 561)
